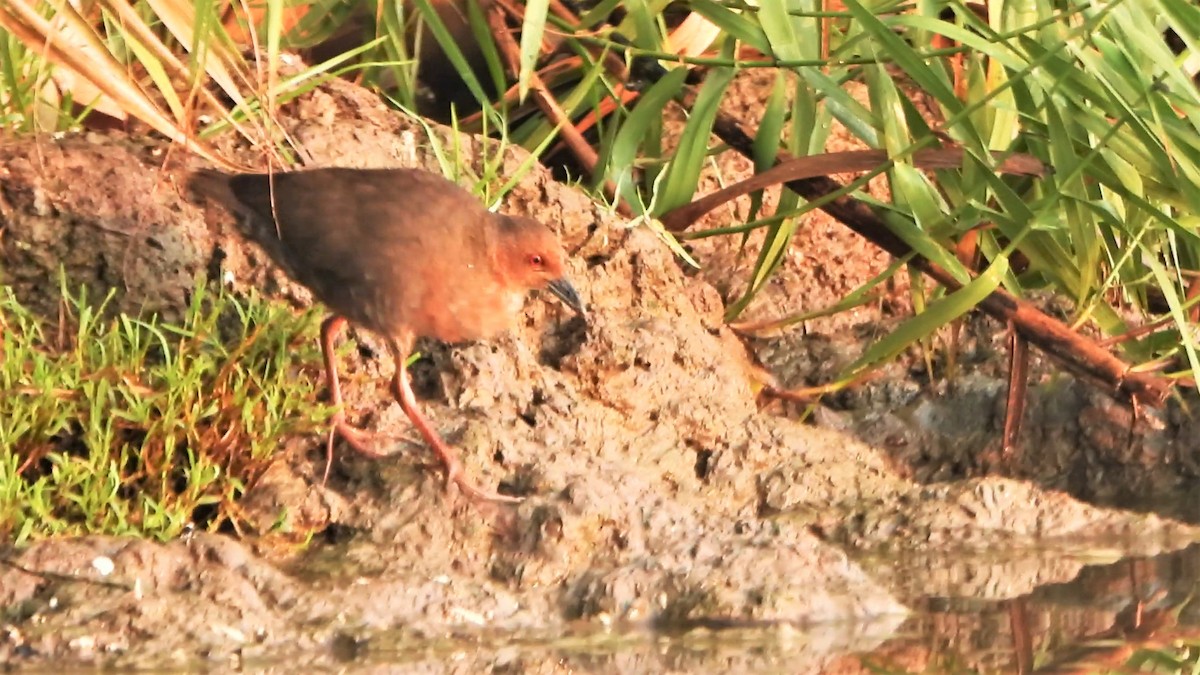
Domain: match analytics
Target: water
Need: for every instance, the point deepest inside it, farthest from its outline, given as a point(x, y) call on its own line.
point(1065, 609)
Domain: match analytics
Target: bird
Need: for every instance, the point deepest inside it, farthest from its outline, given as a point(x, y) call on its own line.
point(402, 252)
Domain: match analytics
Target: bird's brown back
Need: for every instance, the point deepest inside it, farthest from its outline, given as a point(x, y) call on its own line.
point(390, 249)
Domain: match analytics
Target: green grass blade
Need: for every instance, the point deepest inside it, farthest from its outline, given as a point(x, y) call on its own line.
point(683, 173)
point(647, 112)
point(938, 314)
point(532, 29)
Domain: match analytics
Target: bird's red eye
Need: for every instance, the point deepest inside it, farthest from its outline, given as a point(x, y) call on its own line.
point(535, 260)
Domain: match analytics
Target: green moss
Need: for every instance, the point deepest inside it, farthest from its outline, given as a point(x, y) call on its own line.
point(121, 425)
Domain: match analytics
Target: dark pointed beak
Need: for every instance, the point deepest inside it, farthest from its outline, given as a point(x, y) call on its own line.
point(567, 293)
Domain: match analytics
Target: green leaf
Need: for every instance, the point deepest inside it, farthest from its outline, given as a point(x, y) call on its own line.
point(683, 173)
point(647, 112)
point(532, 29)
point(769, 138)
point(938, 314)
point(739, 26)
point(775, 21)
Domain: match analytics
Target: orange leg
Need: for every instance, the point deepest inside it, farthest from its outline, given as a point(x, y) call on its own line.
point(358, 439)
point(402, 390)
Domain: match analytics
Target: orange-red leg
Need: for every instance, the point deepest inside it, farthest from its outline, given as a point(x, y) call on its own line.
point(356, 438)
point(402, 390)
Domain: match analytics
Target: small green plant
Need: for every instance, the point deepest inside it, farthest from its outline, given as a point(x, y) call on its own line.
point(123, 425)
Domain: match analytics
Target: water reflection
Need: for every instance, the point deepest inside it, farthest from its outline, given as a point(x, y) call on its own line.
point(1085, 613)
point(1131, 614)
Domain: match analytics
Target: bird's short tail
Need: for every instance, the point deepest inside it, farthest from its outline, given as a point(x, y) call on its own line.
point(254, 221)
point(214, 185)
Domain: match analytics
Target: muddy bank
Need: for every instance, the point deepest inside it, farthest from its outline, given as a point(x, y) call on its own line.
point(658, 497)
point(946, 425)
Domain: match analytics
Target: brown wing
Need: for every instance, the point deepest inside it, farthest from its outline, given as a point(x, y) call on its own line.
point(370, 244)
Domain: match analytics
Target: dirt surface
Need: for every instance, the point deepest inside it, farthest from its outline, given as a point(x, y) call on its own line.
point(941, 421)
point(658, 496)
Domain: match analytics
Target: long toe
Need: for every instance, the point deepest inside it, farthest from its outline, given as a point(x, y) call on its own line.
point(456, 475)
point(468, 488)
point(360, 441)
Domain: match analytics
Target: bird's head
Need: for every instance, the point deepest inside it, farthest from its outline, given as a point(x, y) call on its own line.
point(531, 257)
